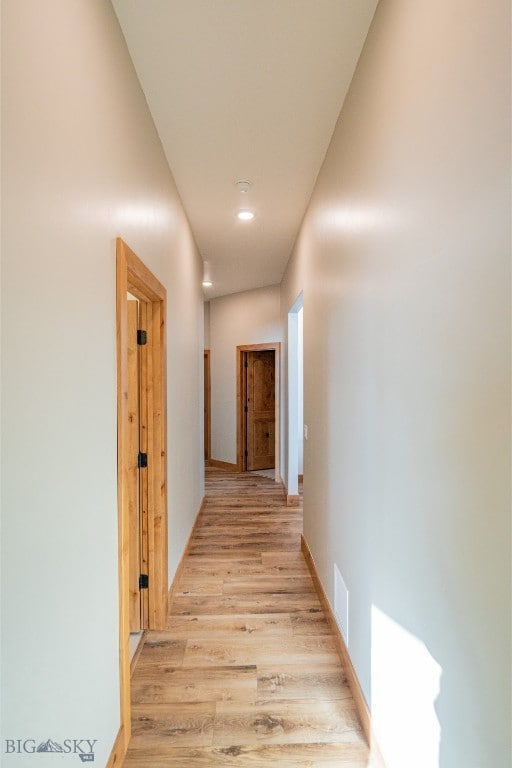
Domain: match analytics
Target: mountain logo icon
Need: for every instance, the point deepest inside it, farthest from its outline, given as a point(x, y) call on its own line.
point(49, 746)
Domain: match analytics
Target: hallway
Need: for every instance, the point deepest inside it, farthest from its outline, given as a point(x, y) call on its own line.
point(247, 672)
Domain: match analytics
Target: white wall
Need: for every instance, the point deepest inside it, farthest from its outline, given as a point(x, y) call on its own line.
point(404, 261)
point(251, 317)
point(82, 163)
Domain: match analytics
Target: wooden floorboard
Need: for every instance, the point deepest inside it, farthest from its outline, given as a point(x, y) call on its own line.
point(246, 672)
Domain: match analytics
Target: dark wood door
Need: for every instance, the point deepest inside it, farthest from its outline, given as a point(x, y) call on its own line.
point(260, 406)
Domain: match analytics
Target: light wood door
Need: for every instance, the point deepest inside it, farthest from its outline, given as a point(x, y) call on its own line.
point(133, 468)
point(137, 473)
point(260, 409)
point(135, 281)
point(145, 372)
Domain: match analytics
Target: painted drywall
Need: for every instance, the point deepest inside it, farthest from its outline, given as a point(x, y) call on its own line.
point(404, 261)
point(81, 164)
point(250, 317)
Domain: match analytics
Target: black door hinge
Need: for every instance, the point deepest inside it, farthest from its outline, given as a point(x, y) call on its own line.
point(143, 581)
point(246, 453)
point(246, 364)
point(142, 460)
point(142, 338)
point(246, 409)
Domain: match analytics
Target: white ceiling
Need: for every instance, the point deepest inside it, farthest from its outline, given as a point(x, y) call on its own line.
point(245, 90)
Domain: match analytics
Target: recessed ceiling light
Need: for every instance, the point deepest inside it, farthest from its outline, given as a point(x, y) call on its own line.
point(245, 215)
point(243, 186)
point(207, 275)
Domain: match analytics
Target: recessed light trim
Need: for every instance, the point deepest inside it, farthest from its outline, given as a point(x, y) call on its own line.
point(243, 186)
point(245, 215)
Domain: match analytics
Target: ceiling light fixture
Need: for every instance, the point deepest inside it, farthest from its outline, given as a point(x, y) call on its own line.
point(243, 186)
point(245, 215)
point(207, 280)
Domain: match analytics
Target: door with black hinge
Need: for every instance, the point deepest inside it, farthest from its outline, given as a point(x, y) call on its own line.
point(260, 410)
point(137, 466)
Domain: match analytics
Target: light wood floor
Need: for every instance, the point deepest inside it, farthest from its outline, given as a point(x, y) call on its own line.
point(246, 673)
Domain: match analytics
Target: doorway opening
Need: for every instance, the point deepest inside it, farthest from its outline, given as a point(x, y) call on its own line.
point(258, 407)
point(142, 461)
point(294, 469)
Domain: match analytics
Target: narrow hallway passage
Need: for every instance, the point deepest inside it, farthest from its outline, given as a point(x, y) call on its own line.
point(246, 673)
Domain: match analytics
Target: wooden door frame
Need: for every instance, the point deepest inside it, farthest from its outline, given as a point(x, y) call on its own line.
point(134, 277)
point(240, 416)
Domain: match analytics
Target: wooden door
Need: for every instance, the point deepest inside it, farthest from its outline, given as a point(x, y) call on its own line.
point(137, 476)
point(134, 280)
point(144, 342)
point(260, 409)
point(133, 468)
point(207, 417)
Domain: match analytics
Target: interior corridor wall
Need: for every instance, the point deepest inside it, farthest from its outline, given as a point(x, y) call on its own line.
point(81, 165)
point(404, 262)
point(250, 317)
